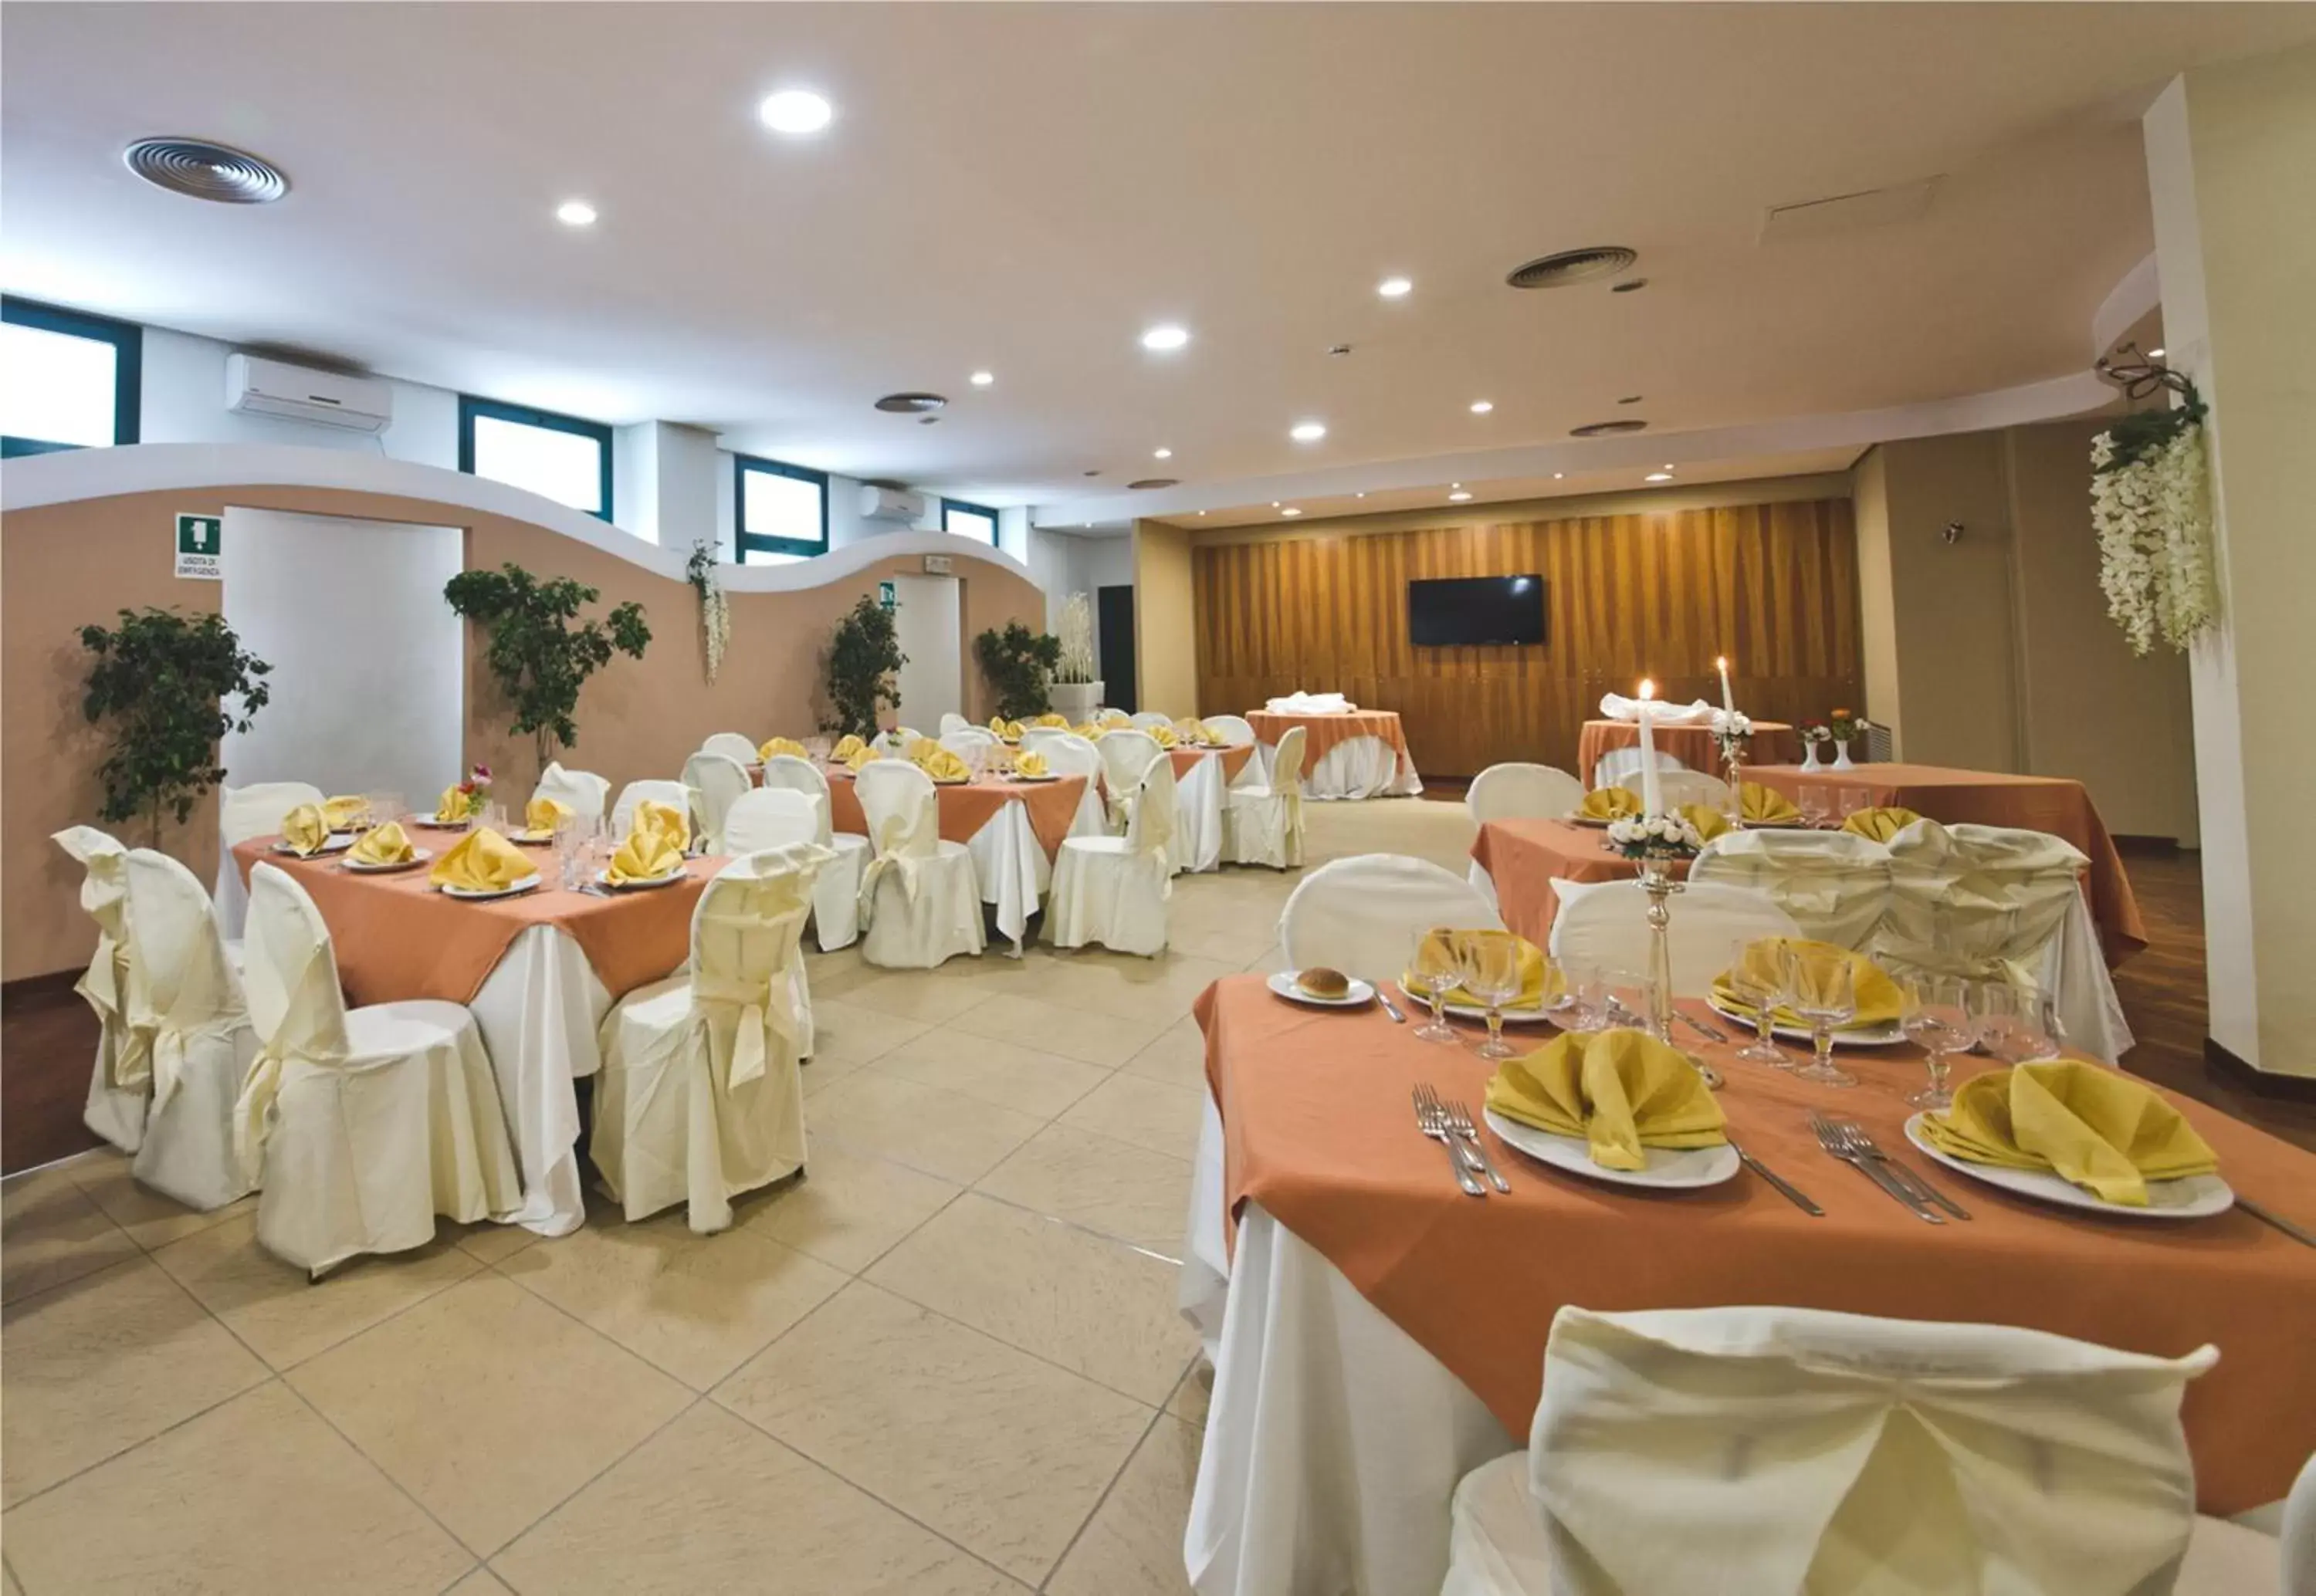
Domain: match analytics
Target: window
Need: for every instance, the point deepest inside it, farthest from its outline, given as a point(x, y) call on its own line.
point(558, 456)
point(970, 520)
point(780, 511)
point(67, 380)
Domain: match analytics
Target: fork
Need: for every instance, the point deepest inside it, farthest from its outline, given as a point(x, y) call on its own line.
point(1459, 1121)
point(1434, 1124)
point(1830, 1138)
point(1860, 1142)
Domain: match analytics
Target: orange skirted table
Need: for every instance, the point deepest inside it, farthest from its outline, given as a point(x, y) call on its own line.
point(1390, 774)
point(1773, 742)
point(1233, 759)
point(1522, 856)
point(966, 807)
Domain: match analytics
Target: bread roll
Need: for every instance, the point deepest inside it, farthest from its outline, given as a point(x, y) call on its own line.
point(1322, 982)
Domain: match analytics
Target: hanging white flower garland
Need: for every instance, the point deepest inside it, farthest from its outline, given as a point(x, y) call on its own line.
point(715, 610)
point(2151, 507)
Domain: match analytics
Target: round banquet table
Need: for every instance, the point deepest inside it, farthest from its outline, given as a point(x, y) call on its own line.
point(1773, 742)
point(1013, 830)
point(1358, 754)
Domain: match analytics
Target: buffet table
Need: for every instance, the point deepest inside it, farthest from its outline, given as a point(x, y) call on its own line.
point(1773, 742)
point(1360, 753)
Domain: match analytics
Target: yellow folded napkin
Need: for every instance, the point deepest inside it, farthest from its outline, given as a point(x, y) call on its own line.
point(1165, 736)
point(943, 766)
point(1531, 969)
point(667, 819)
point(455, 805)
point(1003, 730)
point(1031, 764)
point(1050, 719)
point(921, 749)
point(304, 830)
point(781, 745)
point(1709, 821)
point(1620, 1090)
point(383, 844)
point(1878, 1001)
point(846, 747)
point(344, 813)
point(543, 814)
point(861, 754)
point(646, 855)
point(1609, 803)
point(2095, 1126)
point(483, 862)
point(1881, 824)
point(1091, 730)
point(1765, 806)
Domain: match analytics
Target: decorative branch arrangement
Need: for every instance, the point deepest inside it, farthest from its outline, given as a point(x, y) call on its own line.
point(539, 659)
point(1076, 664)
point(2151, 507)
point(715, 609)
point(163, 679)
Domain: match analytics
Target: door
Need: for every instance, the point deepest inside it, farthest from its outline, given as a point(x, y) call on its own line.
point(925, 622)
point(1114, 629)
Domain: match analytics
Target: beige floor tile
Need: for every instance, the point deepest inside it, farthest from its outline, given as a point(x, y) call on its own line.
point(1190, 1400)
point(256, 1495)
point(1101, 1307)
point(151, 1219)
point(1133, 1546)
point(1005, 1073)
point(490, 1243)
point(1271, 962)
point(695, 1305)
point(488, 1405)
point(926, 995)
point(1080, 1033)
point(1098, 1182)
point(283, 1317)
point(956, 1137)
point(104, 1362)
point(1151, 1113)
point(1000, 1452)
point(852, 1032)
point(711, 1505)
point(848, 1208)
point(481, 1582)
point(8, 1581)
point(826, 1069)
point(1156, 990)
point(51, 1231)
point(1179, 1055)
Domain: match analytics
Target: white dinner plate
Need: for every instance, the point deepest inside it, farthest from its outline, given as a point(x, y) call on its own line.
point(529, 838)
point(1890, 1033)
point(2190, 1197)
point(1283, 983)
point(485, 894)
point(603, 878)
point(432, 824)
point(1050, 776)
point(952, 781)
point(338, 843)
point(1577, 820)
point(1670, 1169)
point(417, 857)
point(1467, 1011)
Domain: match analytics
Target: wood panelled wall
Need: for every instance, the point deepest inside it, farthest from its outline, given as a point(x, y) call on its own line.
point(1772, 585)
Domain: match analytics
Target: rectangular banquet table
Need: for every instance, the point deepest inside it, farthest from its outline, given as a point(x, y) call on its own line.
point(1521, 857)
point(1342, 1208)
point(1773, 742)
point(1361, 753)
point(1012, 828)
point(2054, 804)
point(1201, 775)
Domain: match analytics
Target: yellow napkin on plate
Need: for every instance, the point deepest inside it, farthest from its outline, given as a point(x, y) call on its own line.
point(846, 747)
point(1620, 1090)
point(668, 820)
point(543, 814)
point(1050, 719)
point(1709, 821)
point(454, 804)
point(1091, 730)
point(921, 749)
point(782, 745)
point(943, 766)
point(304, 830)
point(1165, 736)
point(1003, 730)
point(1879, 825)
point(382, 845)
point(1765, 806)
point(1031, 764)
point(1609, 803)
point(2095, 1126)
point(1192, 731)
point(1878, 1002)
point(344, 813)
point(1531, 968)
point(862, 755)
point(646, 855)
point(483, 862)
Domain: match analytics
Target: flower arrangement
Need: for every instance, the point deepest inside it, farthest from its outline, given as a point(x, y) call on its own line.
point(1732, 731)
point(715, 609)
point(1655, 836)
point(1815, 733)
point(476, 789)
point(2152, 508)
point(1076, 664)
point(1842, 726)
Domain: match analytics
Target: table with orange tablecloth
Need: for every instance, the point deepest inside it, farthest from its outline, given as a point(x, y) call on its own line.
point(1344, 1213)
point(1773, 741)
point(1522, 856)
point(1201, 777)
point(1362, 754)
point(1012, 828)
point(1994, 798)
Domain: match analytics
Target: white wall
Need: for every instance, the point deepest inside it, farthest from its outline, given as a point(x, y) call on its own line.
point(1063, 564)
point(183, 401)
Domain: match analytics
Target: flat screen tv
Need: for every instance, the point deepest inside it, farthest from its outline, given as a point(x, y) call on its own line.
point(1467, 611)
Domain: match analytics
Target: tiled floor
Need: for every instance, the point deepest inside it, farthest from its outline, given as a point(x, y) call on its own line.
point(946, 1362)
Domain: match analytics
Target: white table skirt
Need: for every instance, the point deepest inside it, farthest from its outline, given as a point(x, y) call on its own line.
point(1333, 1441)
point(1012, 867)
point(1359, 768)
point(539, 1011)
point(1199, 815)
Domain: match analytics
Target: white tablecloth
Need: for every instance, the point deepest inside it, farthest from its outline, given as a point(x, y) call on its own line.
point(538, 1010)
point(1012, 867)
point(1359, 768)
point(1199, 814)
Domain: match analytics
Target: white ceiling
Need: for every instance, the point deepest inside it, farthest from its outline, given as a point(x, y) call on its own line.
point(1025, 187)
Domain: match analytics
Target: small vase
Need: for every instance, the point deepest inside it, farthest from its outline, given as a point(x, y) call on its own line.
point(1841, 757)
point(1809, 755)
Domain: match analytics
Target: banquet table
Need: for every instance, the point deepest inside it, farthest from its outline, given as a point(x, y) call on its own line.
point(538, 973)
point(1376, 1333)
point(1360, 754)
point(1201, 775)
point(1517, 859)
point(1013, 830)
point(1993, 798)
point(1773, 742)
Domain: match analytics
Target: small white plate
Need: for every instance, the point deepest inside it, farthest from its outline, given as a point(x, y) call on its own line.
point(1283, 983)
point(432, 824)
point(604, 879)
point(1888, 1034)
point(1467, 1011)
point(2190, 1197)
point(1577, 820)
point(338, 843)
point(485, 894)
point(529, 838)
point(1670, 1169)
point(1049, 776)
point(417, 857)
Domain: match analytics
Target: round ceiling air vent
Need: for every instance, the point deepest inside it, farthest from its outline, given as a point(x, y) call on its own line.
point(1156, 482)
point(1572, 266)
point(200, 169)
point(911, 403)
point(1605, 428)
point(1631, 285)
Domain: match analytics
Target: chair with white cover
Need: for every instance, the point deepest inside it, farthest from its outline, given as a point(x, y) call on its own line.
point(244, 812)
point(1127, 755)
point(1236, 731)
point(1262, 823)
point(1604, 925)
point(1150, 720)
point(968, 742)
point(772, 818)
point(732, 746)
point(895, 739)
point(1365, 913)
point(951, 721)
point(1621, 767)
point(699, 1097)
point(1679, 787)
point(1835, 884)
point(1520, 791)
point(120, 1083)
point(1039, 736)
point(367, 1122)
point(1066, 753)
point(1114, 717)
point(582, 792)
point(920, 897)
point(673, 794)
point(1820, 1451)
point(1113, 890)
point(836, 890)
point(714, 783)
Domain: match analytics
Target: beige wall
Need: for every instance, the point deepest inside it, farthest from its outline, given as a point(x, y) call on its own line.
point(1165, 635)
point(1877, 621)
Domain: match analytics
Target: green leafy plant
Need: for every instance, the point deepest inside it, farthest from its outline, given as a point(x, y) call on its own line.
point(863, 657)
point(1019, 664)
point(163, 679)
point(537, 656)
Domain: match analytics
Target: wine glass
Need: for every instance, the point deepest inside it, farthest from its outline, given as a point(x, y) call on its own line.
point(1935, 1017)
point(385, 808)
point(1848, 801)
point(1431, 973)
point(1815, 801)
point(1570, 994)
point(1757, 977)
point(1490, 962)
point(1626, 998)
point(495, 817)
point(1821, 988)
point(2014, 1025)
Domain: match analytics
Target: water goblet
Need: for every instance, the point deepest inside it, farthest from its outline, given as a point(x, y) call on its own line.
point(1815, 801)
point(1756, 977)
point(1489, 963)
point(1568, 996)
point(2013, 1025)
point(1935, 1017)
point(1431, 973)
point(1821, 988)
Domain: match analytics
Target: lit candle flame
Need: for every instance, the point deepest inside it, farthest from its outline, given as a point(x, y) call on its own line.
point(1648, 688)
point(1721, 664)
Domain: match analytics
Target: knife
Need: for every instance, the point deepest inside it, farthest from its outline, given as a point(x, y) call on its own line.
point(1389, 1007)
point(2267, 1217)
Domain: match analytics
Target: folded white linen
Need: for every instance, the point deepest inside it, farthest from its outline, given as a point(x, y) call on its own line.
point(1616, 706)
point(1311, 703)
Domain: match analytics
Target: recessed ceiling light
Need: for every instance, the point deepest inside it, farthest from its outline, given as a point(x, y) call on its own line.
point(1455, 485)
point(1359, 495)
point(1290, 511)
point(575, 213)
point(1165, 336)
point(1307, 431)
point(982, 379)
point(2154, 354)
point(794, 111)
point(1395, 287)
point(1658, 476)
point(1458, 497)
point(1202, 512)
point(1481, 407)
point(1558, 475)
point(1162, 454)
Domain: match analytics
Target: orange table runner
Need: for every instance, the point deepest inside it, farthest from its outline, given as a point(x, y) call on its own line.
point(1993, 798)
point(1773, 742)
point(1186, 759)
point(967, 806)
point(1317, 1129)
point(397, 938)
point(1322, 732)
point(1523, 857)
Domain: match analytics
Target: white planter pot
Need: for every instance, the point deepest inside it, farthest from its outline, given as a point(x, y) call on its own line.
point(1077, 700)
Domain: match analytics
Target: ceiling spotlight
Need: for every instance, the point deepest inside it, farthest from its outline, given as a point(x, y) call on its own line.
point(1162, 454)
point(1455, 485)
point(1658, 476)
point(1290, 511)
point(2154, 354)
point(1558, 475)
point(982, 379)
point(794, 111)
point(575, 213)
point(1458, 497)
point(1481, 407)
point(1359, 495)
point(1395, 287)
point(1307, 431)
point(1165, 336)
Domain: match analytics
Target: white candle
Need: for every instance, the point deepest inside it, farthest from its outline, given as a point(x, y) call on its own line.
point(1651, 796)
point(1728, 706)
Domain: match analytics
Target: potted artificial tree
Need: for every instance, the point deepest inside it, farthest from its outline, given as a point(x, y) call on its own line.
point(163, 679)
point(537, 655)
point(862, 658)
point(1076, 690)
point(1019, 664)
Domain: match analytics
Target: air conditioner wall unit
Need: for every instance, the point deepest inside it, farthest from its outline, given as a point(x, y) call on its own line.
point(891, 504)
point(255, 386)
